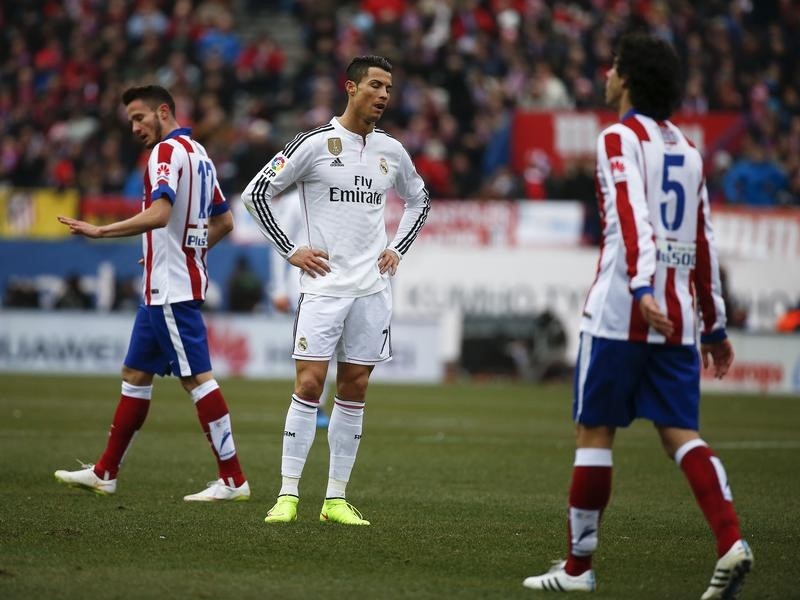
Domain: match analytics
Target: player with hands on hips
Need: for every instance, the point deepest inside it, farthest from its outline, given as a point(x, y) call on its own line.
point(343, 171)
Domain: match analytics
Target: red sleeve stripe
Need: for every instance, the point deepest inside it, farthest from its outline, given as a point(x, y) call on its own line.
point(673, 309)
point(165, 152)
point(187, 145)
point(702, 273)
point(636, 127)
point(627, 223)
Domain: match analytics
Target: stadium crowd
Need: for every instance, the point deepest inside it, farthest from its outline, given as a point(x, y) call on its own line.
point(461, 68)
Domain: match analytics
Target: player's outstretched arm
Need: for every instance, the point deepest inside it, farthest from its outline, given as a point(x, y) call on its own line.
point(720, 354)
point(154, 217)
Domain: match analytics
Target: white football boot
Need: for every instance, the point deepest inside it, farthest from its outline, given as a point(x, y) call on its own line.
point(729, 573)
point(557, 580)
point(218, 491)
point(86, 479)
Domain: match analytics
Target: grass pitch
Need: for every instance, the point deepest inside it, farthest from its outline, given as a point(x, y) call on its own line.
point(465, 486)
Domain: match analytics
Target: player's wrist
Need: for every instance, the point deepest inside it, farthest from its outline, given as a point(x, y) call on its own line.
point(714, 337)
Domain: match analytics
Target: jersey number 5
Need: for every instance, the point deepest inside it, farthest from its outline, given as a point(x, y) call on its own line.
point(671, 185)
point(205, 170)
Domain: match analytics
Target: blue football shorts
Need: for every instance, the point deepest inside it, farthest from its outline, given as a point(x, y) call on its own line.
point(617, 381)
point(169, 339)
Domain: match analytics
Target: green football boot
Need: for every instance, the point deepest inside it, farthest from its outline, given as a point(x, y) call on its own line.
point(284, 511)
point(339, 510)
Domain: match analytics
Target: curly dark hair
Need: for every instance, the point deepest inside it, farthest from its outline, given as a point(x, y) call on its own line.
point(359, 66)
point(652, 73)
point(152, 95)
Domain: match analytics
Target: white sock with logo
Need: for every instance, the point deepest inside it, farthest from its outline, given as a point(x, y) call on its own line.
point(298, 435)
point(344, 437)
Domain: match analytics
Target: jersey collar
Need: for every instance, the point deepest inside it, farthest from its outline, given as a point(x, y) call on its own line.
point(628, 115)
point(356, 136)
point(180, 131)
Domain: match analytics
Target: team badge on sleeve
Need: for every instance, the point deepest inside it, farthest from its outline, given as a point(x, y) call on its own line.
point(618, 169)
point(277, 163)
point(335, 146)
point(384, 166)
point(162, 171)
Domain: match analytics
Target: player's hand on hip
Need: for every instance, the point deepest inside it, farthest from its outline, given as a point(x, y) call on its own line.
point(654, 317)
point(721, 354)
point(389, 260)
point(312, 261)
point(80, 227)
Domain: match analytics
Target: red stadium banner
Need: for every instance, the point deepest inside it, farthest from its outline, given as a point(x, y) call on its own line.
point(564, 136)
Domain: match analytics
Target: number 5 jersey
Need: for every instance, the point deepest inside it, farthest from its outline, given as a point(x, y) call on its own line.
point(657, 236)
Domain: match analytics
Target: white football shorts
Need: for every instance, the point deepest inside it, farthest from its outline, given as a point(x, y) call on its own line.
point(355, 330)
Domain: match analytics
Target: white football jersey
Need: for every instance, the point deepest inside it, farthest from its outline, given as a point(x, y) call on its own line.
point(657, 235)
point(342, 180)
point(284, 277)
point(179, 170)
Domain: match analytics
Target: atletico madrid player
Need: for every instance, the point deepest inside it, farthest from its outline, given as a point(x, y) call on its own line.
point(183, 215)
point(638, 355)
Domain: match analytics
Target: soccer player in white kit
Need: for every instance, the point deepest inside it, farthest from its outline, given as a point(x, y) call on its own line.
point(183, 215)
point(343, 171)
point(638, 354)
point(284, 277)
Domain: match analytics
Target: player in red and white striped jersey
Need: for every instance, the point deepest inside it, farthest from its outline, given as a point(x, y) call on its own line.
point(183, 215)
point(638, 354)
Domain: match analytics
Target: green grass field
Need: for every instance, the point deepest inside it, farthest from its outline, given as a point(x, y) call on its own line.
point(465, 486)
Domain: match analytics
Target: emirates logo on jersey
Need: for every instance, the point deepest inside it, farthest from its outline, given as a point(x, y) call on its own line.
point(162, 171)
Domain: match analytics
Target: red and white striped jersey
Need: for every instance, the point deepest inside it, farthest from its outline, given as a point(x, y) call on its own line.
point(657, 236)
point(180, 171)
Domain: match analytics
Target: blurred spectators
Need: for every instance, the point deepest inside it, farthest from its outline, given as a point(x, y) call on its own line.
point(74, 297)
point(462, 68)
point(245, 288)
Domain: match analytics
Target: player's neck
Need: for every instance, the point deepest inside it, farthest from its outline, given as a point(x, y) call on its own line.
point(351, 122)
point(625, 105)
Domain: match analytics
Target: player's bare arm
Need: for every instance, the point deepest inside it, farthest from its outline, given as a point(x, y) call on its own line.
point(654, 316)
point(154, 217)
point(314, 262)
point(218, 227)
point(720, 354)
point(389, 260)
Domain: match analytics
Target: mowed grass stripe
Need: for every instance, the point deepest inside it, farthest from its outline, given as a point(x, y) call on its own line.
point(465, 486)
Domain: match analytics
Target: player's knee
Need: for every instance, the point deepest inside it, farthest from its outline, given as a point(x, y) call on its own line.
point(309, 387)
point(352, 390)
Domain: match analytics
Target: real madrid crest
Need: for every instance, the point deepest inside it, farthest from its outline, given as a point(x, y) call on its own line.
point(302, 344)
point(384, 166)
point(335, 146)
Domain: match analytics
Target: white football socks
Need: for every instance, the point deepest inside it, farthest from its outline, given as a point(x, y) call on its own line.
point(298, 435)
point(344, 437)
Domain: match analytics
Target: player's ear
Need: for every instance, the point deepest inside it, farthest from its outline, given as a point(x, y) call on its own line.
point(350, 87)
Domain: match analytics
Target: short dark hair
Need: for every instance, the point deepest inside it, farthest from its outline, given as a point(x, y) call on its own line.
point(153, 95)
point(359, 66)
point(652, 72)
